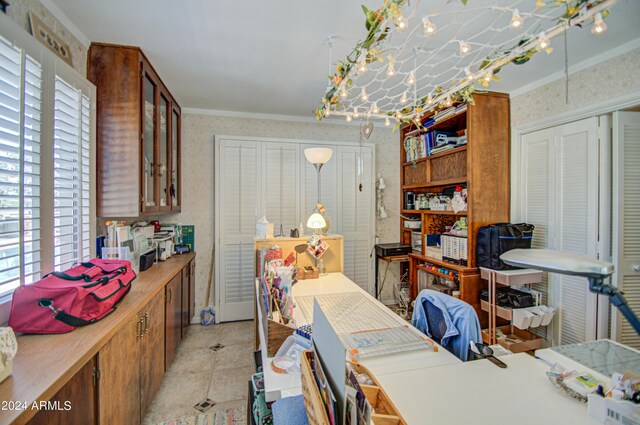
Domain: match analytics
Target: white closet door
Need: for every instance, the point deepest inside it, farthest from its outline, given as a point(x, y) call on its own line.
point(559, 195)
point(626, 219)
point(281, 185)
point(355, 212)
point(577, 224)
point(538, 172)
point(237, 206)
point(327, 188)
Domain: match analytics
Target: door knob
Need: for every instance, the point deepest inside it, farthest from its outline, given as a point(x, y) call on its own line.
point(636, 267)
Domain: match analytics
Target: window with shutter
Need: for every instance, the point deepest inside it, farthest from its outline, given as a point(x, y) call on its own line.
point(20, 110)
point(71, 176)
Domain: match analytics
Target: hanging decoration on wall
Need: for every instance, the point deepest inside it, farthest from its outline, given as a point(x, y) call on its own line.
point(423, 56)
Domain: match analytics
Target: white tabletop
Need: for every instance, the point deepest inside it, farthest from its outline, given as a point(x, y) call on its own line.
point(478, 392)
point(284, 385)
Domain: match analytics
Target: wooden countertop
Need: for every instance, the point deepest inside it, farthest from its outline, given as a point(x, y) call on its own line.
point(45, 363)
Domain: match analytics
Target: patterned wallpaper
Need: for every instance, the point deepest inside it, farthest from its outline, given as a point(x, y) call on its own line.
point(197, 175)
point(19, 10)
point(607, 80)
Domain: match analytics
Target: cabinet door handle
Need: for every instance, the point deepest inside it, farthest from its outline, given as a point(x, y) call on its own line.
point(141, 327)
point(146, 322)
point(170, 295)
point(138, 330)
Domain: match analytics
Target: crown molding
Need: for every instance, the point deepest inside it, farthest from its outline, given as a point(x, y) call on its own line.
point(64, 20)
point(270, 117)
point(580, 66)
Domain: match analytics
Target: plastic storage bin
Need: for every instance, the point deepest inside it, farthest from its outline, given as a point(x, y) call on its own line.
point(123, 254)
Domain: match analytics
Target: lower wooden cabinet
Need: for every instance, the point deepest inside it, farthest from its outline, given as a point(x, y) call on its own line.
point(173, 318)
point(119, 383)
point(131, 366)
point(151, 352)
point(75, 403)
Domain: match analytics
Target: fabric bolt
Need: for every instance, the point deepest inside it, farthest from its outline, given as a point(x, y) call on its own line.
point(289, 411)
point(460, 319)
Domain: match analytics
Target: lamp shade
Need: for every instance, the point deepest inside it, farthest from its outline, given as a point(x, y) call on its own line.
point(318, 155)
point(316, 221)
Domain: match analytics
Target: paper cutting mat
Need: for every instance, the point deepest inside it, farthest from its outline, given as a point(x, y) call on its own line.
point(348, 312)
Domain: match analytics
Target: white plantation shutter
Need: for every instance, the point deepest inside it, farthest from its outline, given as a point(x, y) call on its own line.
point(626, 239)
point(20, 114)
point(71, 176)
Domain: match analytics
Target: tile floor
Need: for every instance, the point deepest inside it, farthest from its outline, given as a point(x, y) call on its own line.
point(198, 373)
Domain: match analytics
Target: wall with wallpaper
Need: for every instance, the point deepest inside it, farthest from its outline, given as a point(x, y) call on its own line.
point(606, 80)
point(18, 11)
point(197, 175)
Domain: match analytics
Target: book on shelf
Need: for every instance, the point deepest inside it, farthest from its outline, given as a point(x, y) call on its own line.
point(442, 149)
point(445, 113)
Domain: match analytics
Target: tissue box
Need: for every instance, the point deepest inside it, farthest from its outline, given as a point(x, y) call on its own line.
point(264, 230)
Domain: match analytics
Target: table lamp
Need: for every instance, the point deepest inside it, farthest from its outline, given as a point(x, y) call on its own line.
point(318, 157)
point(595, 271)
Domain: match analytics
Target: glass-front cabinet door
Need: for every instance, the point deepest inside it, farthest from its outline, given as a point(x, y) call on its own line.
point(163, 157)
point(175, 160)
point(149, 166)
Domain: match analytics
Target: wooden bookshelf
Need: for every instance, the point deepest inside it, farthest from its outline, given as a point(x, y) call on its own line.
point(482, 165)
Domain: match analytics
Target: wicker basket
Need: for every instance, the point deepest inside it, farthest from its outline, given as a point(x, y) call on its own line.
point(386, 412)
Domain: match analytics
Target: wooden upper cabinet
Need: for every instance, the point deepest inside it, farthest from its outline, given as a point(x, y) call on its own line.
point(138, 134)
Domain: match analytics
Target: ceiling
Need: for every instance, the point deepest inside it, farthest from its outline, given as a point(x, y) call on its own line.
point(272, 56)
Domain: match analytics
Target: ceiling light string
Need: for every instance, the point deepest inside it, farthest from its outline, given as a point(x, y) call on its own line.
point(377, 89)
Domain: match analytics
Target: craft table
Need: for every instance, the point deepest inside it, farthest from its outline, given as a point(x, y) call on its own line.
point(478, 392)
point(285, 385)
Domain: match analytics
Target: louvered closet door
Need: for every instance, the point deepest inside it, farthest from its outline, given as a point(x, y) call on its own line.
point(355, 212)
point(577, 224)
point(281, 185)
point(537, 172)
point(327, 189)
point(559, 195)
point(626, 219)
point(238, 183)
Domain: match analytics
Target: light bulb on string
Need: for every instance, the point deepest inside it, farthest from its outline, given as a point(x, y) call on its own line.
point(327, 112)
point(401, 23)
point(374, 108)
point(391, 71)
point(363, 95)
point(349, 118)
point(469, 74)
point(387, 123)
point(403, 99)
point(516, 20)
point(464, 48)
point(356, 113)
point(398, 115)
point(428, 27)
point(343, 93)
point(488, 76)
point(411, 79)
point(544, 41)
point(448, 101)
point(362, 66)
point(599, 26)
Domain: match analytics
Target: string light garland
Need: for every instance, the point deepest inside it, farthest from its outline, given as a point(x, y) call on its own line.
point(441, 55)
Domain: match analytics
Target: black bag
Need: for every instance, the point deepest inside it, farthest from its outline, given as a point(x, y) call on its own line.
point(496, 239)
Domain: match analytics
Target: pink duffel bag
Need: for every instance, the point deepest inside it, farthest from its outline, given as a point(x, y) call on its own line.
point(62, 301)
